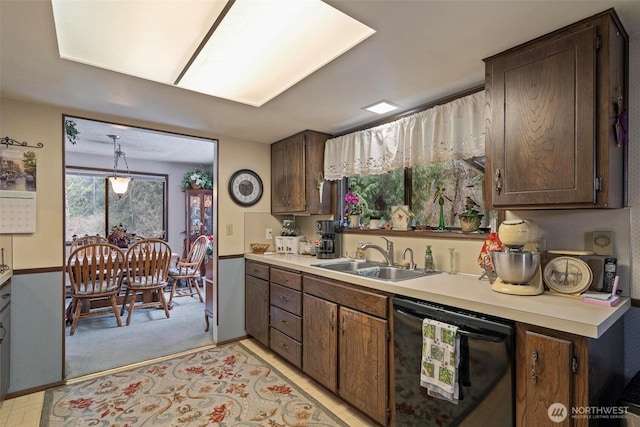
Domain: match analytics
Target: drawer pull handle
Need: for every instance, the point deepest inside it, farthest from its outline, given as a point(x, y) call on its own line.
point(498, 181)
point(332, 322)
point(284, 322)
point(534, 359)
point(283, 345)
point(284, 298)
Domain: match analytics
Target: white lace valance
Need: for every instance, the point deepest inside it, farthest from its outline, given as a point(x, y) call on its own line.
point(446, 132)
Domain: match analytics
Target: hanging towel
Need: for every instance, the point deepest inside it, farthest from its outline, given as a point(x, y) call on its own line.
point(440, 360)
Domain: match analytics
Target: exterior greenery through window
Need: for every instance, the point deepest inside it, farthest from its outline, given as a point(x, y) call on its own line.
point(93, 208)
point(418, 188)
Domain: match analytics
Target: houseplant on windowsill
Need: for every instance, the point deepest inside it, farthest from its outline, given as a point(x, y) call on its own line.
point(471, 217)
point(197, 179)
point(353, 209)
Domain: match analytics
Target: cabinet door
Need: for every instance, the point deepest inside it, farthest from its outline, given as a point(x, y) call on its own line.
point(542, 140)
point(549, 378)
point(207, 213)
point(297, 197)
point(319, 349)
point(279, 174)
point(363, 361)
point(256, 320)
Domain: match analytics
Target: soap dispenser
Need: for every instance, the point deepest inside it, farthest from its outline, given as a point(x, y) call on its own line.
point(428, 260)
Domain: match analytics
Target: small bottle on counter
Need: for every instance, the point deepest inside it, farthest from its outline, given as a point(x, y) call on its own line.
point(428, 260)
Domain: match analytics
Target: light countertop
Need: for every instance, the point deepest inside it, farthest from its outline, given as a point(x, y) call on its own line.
point(562, 313)
point(6, 275)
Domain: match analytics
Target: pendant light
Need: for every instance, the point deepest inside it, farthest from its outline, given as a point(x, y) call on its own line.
point(119, 184)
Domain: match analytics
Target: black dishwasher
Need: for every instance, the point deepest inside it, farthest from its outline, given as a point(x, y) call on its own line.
point(486, 371)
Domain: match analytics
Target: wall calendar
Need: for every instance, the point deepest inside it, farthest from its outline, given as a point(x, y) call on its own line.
point(17, 187)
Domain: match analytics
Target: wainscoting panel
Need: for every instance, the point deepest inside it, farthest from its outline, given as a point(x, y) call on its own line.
point(36, 330)
point(231, 298)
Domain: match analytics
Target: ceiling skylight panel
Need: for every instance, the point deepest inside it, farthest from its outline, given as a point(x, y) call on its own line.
point(261, 48)
point(255, 50)
point(144, 38)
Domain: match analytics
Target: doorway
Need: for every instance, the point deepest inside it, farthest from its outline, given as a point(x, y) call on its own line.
point(154, 159)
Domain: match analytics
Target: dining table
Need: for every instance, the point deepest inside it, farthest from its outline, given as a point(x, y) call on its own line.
point(145, 296)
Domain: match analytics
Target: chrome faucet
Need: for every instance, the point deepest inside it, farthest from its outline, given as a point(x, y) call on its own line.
point(412, 264)
point(388, 254)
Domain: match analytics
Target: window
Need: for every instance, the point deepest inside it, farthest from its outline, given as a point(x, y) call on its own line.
point(417, 187)
point(93, 208)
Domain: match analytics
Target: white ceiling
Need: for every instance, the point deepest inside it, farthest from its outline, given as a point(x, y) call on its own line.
point(423, 50)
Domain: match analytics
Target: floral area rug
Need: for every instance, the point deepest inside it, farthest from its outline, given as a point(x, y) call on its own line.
point(224, 386)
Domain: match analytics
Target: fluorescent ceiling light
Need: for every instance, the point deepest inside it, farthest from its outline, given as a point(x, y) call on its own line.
point(246, 51)
point(381, 107)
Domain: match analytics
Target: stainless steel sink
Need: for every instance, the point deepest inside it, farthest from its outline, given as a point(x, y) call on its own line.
point(373, 270)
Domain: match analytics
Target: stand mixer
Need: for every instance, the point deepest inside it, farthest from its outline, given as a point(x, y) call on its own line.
point(518, 271)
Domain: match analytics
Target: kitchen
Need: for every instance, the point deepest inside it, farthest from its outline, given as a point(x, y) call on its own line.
point(19, 116)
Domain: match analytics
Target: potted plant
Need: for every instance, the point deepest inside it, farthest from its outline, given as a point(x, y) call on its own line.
point(354, 208)
point(197, 179)
point(118, 236)
point(471, 217)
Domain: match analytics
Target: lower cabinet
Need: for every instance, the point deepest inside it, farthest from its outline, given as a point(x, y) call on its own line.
point(286, 314)
point(570, 372)
point(346, 340)
point(256, 301)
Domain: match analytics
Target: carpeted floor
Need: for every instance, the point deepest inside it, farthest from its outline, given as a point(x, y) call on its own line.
point(228, 385)
point(99, 344)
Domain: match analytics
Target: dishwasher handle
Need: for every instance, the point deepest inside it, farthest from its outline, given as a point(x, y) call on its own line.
point(469, 334)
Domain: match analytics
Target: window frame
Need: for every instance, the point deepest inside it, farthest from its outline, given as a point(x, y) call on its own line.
point(105, 173)
point(342, 187)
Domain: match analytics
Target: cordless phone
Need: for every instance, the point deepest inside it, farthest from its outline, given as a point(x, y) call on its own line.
point(609, 274)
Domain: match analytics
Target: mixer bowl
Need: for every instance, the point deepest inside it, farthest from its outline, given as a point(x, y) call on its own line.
point(515, 267)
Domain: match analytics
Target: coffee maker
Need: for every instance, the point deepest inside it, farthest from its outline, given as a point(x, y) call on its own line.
point(329, 232)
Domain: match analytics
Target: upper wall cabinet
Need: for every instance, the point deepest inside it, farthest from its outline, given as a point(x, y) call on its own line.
point(297, 163)
point(551, 119)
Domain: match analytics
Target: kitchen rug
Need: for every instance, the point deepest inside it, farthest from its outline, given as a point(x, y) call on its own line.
point(225, 386)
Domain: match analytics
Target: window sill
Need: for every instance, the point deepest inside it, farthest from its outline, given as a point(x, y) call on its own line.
point(421, 234)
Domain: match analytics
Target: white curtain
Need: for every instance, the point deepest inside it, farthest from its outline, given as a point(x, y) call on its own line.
point(446, 132)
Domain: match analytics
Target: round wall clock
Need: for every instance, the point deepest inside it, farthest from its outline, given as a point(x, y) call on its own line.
point(567, 275)
point(245, 187)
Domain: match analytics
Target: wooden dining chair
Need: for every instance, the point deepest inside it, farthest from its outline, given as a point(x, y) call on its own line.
point(188, 269)
point(95, 273)
point(86, 240)
point(146, 268)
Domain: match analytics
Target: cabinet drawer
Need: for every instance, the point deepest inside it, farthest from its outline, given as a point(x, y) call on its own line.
point(286, 278)
point(286, 323)
point(347, 295)
point(287, 299)
point(286, 347)
point(254, 269)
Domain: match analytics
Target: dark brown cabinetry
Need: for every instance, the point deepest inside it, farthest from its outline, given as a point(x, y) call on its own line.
point(346, 343)
point(296, 164)
point(199, 214)
point(256, 310)
point(551, 103)
point(286, 315)
point(575, 371)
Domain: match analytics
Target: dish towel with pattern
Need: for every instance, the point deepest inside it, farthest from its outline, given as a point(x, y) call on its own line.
point(440, 360)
